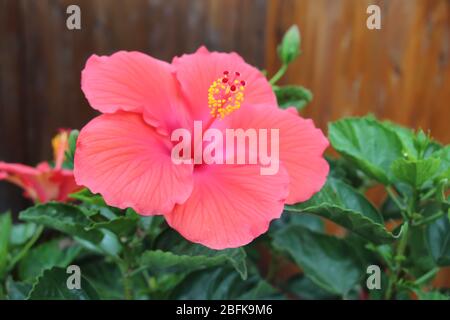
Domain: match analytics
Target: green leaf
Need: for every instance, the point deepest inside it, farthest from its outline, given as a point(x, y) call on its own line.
point(304, 288)
point(64, 218)
point(17, 290)
point(55, 253)
point(85, 195)
point(312, 222)
point(152, 225)
point(176, 254)
point(21, 233)
point(293, 96)
point(340, 203)
point(372, 146)
point(222, 284)
point(415, 172)
point(345, 171)
point(289, 49)
point(121, 226)
point(438, 239)
point(105, 278)
point(407, 139)
point(329, 262)
point(5, 232)
point(109, 245)
point(158, 261)
point(52, 285)
point(444, 155)
point(419, 260)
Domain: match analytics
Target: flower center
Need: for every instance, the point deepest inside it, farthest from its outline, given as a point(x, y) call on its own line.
point(226, 94)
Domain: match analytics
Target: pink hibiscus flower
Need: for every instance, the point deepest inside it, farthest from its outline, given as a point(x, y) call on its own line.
point(125, 153)
point(43, 183)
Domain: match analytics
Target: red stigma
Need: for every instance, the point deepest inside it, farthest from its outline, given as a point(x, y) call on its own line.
point(243, 83)
point(233, 88)
point(237, 74)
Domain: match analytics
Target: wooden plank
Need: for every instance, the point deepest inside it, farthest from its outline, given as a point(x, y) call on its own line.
point(42, 60)
point(400, 72)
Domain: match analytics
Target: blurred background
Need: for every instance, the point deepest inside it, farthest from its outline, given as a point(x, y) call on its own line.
point(400, 72)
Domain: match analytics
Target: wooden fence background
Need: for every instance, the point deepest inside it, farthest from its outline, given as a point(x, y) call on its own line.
point(400, 72)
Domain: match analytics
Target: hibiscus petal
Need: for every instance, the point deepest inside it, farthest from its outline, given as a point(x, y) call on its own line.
point(129, 164)
point(230, 205)
point(32, 180)
point(301, 147)
point(196, 72)
point(133, 81)
point(65, 181)
point(17, 168)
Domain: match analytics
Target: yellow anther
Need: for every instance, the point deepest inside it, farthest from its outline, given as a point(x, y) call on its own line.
point(225, 95)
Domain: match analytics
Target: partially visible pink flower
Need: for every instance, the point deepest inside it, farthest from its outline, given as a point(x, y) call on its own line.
point(125, 153)
point(43, 183)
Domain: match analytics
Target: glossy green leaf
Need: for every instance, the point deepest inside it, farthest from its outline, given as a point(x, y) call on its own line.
point(304, 288)
point(159, 261)
point(152, 225)
point(419, 259)
point(329, 262)
point(407, 139)
point(105, 277)
point(109, 245)
point(444, 169)
point(372, 146)
point(344, 170)
point(175, 253)
point(340, 203)
point(222, 284)
point(52, 285)
point(17, 290)
point(121, 226)
point(55, 253)
point(21, 233)
point(64, 218)
point(310, 221)
point(415, 172)
point(85, 195)
point(438, 239)
point(289, 49)
point(293, 96)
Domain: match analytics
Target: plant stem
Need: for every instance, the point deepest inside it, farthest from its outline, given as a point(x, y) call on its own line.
point(426, 277)
point(127, 288)
point(125, 265)
point(429, 219)
point(277, 76)
point(394, 197)
point(428, 194)
point(128, 294)
point(399, 257)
